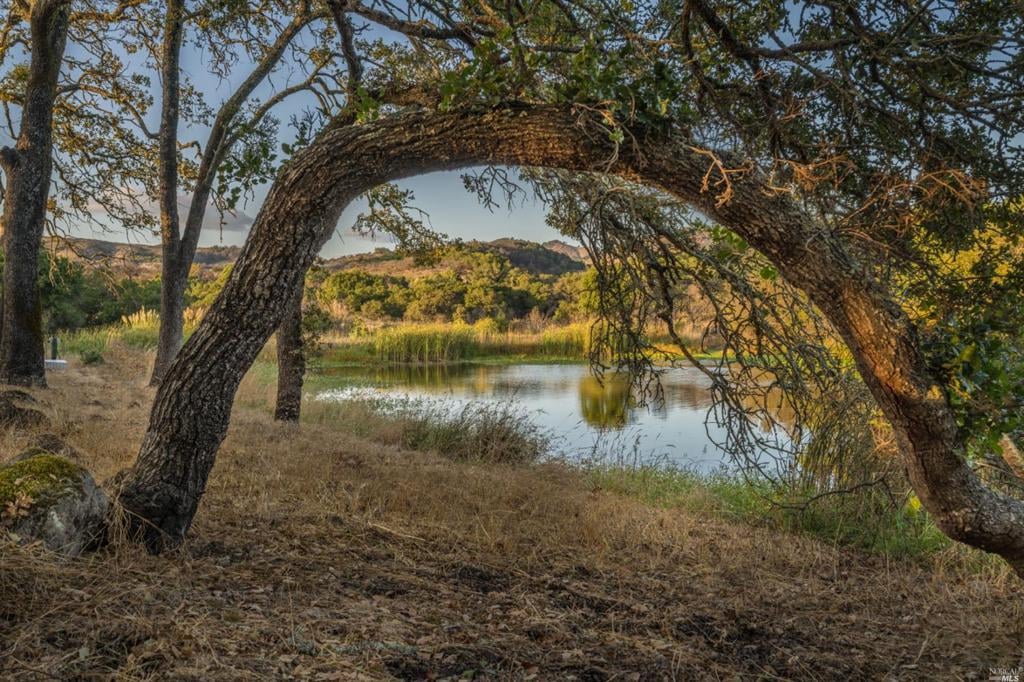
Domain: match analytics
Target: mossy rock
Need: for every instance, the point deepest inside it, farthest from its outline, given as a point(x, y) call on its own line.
point(51, 499)
point(37, 475)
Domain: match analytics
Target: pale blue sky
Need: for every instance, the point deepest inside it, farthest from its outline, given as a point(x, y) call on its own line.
point(451, 209)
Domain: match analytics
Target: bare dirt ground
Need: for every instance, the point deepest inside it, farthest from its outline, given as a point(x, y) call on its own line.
point(319, 555)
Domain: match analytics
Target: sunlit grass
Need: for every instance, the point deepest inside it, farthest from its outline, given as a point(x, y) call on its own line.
point(403, 344)
point(139, 330)
point(441, 343)
point(868, 522)
point(426, 344)
point(88, 345)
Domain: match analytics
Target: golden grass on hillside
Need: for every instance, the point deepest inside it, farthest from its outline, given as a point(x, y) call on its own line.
point(319, 554)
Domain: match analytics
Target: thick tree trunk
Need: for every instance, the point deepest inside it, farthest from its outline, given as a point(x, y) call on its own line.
point(27, 167)
point(173, 280)
point(291, 362)
point(191, 410)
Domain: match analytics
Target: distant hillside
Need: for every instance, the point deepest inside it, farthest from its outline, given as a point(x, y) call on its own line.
point(143, 260)
point(577, 253)
point(538, 259)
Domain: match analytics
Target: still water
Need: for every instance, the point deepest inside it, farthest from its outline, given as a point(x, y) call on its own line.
point(588, 418)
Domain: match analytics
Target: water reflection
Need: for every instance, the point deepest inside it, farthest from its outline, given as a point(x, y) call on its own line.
point(587, 412)
point(605, 404)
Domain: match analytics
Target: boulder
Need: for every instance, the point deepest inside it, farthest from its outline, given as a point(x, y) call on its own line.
point(49, 443)
point(10, 394)
point(15, 415)
point(48, 498)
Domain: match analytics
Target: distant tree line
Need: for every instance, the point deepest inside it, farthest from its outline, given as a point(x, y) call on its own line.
point(75, 296)
point(466, 286)
point(463, 286)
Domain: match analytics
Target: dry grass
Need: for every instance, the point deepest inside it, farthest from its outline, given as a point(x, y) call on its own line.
point(319, 554)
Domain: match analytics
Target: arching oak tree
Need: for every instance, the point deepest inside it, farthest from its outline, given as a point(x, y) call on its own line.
point(191, 411)
point(842, 142)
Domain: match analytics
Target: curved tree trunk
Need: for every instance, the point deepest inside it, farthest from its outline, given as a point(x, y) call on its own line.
point(191, 410)
point(28, 167)
point(291, 362)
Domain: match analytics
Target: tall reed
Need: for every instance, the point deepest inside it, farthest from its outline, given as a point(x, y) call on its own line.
point(442, 343)
point(140, 329)
point(570, 341)
point(426, 343)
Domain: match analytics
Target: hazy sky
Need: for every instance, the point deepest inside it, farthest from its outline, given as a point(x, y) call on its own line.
point(451, 209)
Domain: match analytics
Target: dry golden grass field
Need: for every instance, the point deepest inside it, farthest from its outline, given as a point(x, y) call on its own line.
point(317, 554)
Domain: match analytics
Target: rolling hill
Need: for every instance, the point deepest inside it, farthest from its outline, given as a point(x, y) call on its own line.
point(143, 260)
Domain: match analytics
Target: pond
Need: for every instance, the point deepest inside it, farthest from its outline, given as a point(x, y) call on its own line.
point(589, 418)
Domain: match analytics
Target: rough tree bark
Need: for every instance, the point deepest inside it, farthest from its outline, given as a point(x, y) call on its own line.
point(172, 284)
point(27, 167)
point(179, 247)
point(191, 410)
point(291, 362)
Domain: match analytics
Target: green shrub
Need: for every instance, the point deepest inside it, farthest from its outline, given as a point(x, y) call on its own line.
point(88, 345)
point(91, 357)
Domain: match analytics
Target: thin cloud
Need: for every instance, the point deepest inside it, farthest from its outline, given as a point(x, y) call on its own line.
point(231, 221)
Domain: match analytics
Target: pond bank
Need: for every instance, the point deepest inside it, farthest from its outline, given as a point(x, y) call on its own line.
point(631, 450)
point(320, 552)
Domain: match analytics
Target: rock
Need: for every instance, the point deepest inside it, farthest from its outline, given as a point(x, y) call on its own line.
point(13, 415)
point(10, 394)
point(51, 499)
point(52, 444)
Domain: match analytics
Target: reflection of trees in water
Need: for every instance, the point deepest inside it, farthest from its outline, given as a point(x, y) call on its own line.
point(609, 403)
point(686, 394)
point(605, 404)
point(415, 376)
